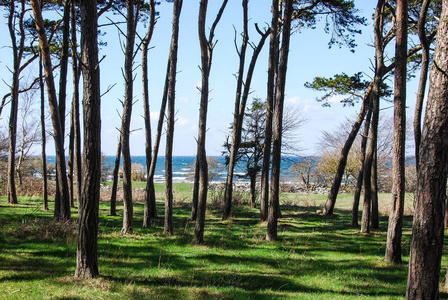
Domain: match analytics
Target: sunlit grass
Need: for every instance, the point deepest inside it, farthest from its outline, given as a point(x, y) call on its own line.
point(317, 257)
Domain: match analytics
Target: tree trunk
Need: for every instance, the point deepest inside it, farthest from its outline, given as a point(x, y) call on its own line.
point(423, 78)
point(331, 200)
point(64, 214)
point(427, 229)
point(86, 254)
point(375, 221)
point(168, 222)
point(71, 158)
point(59, 206)
point(375, 100)
point(149, 191)
point(194, 206)
point(394, 233)
point(236, 131)
point(271, 232)
point(128, 211)
point(370, 157)
point(44, 135)
point(113, 196)
point(17, 58)
point(362, 159)
point(253, 192)
point(272, 67)
point(201, 157)
point(155, 151)
point(76, 122)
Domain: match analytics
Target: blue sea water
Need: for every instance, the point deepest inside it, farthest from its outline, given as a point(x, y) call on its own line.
point(183, 167)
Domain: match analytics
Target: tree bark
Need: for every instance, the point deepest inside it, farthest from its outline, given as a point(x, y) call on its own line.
point(423, 78)
point(17, 58)
point(194, 204)
point(113, 196)
point(71, 158)
point(149, 191)
point(236, 131)
point(128, 211)
point(76, 122)
point(64, 214)
point(271, 232)
point(394, 233)
point(168, 222)
point(86, 254)
point(272, 67)
point(358, 190)
point(375, 221)
point(62, 100)
point(427, 229)
point(331, 200)
point(210, 47)
point(155, 151)
point(43, 136)
point(370, 154)
point(375, 95)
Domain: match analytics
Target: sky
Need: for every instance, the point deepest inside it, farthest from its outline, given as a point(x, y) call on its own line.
point(309, 57)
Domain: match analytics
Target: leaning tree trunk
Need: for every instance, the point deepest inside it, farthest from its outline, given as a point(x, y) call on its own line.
point(155, 150)
point(272, 67)
point(57, 127)
point(236, 131)
point(86, 254)
point(358, 189)
point(427, 229)
point(150, 194)
point(394, 232)
point(370, 156)
point(128, 211)
point(168, 222)
point(271, 232)
point(334, 190)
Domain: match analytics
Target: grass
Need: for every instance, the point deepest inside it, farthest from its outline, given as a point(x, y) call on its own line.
point(317, 257)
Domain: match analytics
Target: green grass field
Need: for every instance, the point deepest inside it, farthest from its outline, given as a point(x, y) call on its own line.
point(317, 257)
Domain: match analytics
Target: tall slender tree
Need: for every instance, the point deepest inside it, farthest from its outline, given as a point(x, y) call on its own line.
point(207, 46)
point(427, 230)
point(64, 214)
point(423, 77)
point(128, 211)
point(394, 232)
point(168, 223)
point(236, 115)
point(44, 134)
point(271, 232)
point(17, 50)
point(86, 254)
point(113, 196)
point(150, 194)
point(75, 106)
point(272, 70)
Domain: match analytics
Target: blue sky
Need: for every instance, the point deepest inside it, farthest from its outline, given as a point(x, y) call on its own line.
point(309, 57)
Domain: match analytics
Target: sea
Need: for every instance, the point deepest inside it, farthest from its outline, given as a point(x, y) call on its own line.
point(183, 167)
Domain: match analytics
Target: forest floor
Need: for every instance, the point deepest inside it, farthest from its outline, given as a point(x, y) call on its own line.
point(317, 257)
